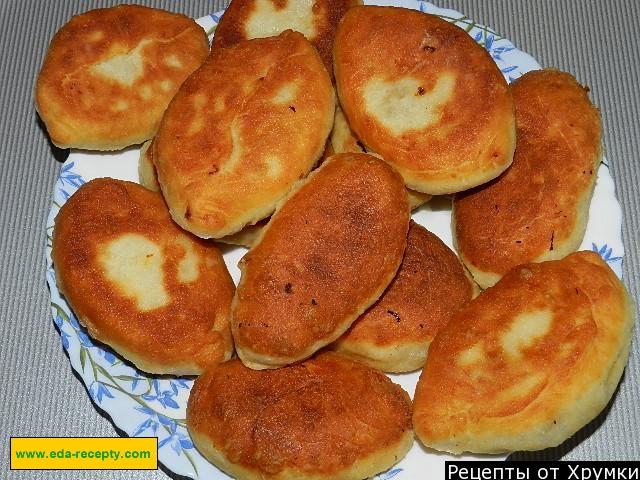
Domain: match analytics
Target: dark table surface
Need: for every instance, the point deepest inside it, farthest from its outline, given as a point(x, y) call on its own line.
point(40, 396)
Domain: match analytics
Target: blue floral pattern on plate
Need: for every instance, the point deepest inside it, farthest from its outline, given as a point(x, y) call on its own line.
point(388, 474)
point(495, 44)
point(606, 253)
point(154, 406)
point(156, 403)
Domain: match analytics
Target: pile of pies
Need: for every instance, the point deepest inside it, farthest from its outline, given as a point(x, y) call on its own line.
point(308, 133)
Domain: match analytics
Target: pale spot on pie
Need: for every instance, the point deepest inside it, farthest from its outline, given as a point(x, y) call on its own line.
point(196, 125)
point(199, 101)
point(274, 166)
point(524, 330)
point(247, 88)
point(166, 85)
point(189, 265)
point(120, 105)
point(145, 92)
point(197, 121)
point(268, 21)
point(286, 95)
point(472, 355)
point(95, 36)
point(133, 263)
point(405, 104)
point(218, 105)
point(521, 389)
point(125, 68)
point(236, 149)
point(172, 61)
point(567, 349)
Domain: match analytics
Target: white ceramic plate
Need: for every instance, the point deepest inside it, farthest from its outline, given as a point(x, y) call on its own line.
point(145, 405)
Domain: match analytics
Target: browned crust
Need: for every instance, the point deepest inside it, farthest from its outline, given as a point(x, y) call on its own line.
point(326, 15)
point(473, 140)
point(571, 369)
point(343, 140)
point(430, 286)
point(226, 151)
point(329, 417)
point(77, 105)
point(326, 255)
point(183, 337)
point(537, 210)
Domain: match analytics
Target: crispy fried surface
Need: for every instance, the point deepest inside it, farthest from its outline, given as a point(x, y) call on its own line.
point(326, 255)
point(242, 129)
point(421, 93)
point(538, 209)
point(329, 417)
point(157, 295)
point(529, 361)
point(343, 140)
point(430, 286)
point(110, 73)
point(317, 20)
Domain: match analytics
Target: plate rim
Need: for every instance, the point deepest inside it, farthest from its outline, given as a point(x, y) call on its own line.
point(156, 419)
